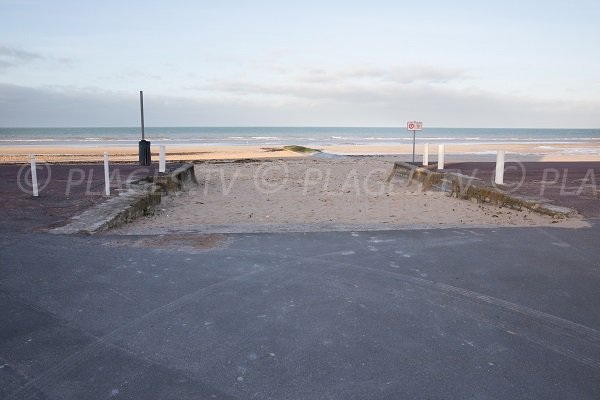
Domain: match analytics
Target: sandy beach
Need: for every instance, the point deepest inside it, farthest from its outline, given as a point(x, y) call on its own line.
point(539, 151)
point(312, 194)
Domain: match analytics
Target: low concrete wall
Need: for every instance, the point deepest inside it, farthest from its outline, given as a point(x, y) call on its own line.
point(137, 200)
point(470, 188)
point(174, 181)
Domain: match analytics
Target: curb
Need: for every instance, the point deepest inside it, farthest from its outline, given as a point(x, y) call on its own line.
point(130, 204)
point(474, 189)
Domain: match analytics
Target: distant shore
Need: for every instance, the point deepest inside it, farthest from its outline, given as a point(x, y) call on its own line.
point(539, 151)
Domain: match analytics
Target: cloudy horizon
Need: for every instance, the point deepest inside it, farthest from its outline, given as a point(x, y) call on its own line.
point(269, 64)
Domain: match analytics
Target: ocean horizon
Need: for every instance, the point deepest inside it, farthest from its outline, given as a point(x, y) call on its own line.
point(278, 136)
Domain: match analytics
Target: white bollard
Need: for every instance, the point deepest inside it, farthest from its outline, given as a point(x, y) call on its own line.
point(162, 163)
point(426, 154)
point(499, 168)
point(106, 175)
point(440, 164)
point(34, 182)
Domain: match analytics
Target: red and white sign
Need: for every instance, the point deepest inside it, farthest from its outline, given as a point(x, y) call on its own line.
point(414, 126)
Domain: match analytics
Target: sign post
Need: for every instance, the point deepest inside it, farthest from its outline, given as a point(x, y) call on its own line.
point(414, 126)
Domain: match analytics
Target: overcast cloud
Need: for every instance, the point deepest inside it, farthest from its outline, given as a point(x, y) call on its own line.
point(294, 105)
point(10, 56)
point(232, 63)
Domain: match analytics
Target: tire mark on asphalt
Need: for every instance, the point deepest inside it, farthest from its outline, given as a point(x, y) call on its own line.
point(31, 388)
point(514, 330)
point(589, 335)
point(582, 330)
point(71, 362)
point(578, 332)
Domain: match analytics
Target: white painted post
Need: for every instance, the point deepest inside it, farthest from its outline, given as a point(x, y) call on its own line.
point(499, 168)
point(426, 154)
point(440, 164)
point(106, 175)
point(34, 182)
point(162, 164)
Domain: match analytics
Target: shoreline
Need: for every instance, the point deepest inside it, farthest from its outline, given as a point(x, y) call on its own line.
point(539, 151)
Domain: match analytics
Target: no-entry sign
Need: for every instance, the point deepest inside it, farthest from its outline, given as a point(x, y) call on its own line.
point(414, 126)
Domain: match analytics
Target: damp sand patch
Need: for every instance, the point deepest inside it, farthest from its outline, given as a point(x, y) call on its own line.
point(188, 242)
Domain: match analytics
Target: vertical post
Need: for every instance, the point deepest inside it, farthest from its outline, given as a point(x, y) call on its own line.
point(426, 154)
point(440, 164)
point(413, 147)
point(162, 163)
point(142, 112)
point(106, 175)
point(34, 181)
point(145, 156)
point(499, 179)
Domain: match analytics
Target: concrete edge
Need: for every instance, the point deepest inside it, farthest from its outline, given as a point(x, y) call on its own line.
point(309, 227)
point(130, 204)
point(474, 189)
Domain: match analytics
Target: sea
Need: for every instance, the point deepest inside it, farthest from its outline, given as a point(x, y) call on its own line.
point(279, 136)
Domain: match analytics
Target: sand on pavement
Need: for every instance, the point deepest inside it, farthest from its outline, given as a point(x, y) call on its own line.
point(323, 194)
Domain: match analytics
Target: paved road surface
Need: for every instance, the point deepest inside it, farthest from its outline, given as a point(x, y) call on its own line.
point(466, 313)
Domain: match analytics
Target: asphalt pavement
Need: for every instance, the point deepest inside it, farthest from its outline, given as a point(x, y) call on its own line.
point(447, 313)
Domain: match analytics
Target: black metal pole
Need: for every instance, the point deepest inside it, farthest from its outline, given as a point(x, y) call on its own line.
point(142, 111)
point(413, 147)
point(144, 145)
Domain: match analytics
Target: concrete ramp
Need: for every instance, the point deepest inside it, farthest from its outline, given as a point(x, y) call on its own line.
point(474, 189)
point(136, 201)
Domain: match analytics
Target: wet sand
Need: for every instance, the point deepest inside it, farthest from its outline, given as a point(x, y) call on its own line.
point(588, 151)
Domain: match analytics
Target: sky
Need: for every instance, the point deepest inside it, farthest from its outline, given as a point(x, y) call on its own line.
point(521, 64)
